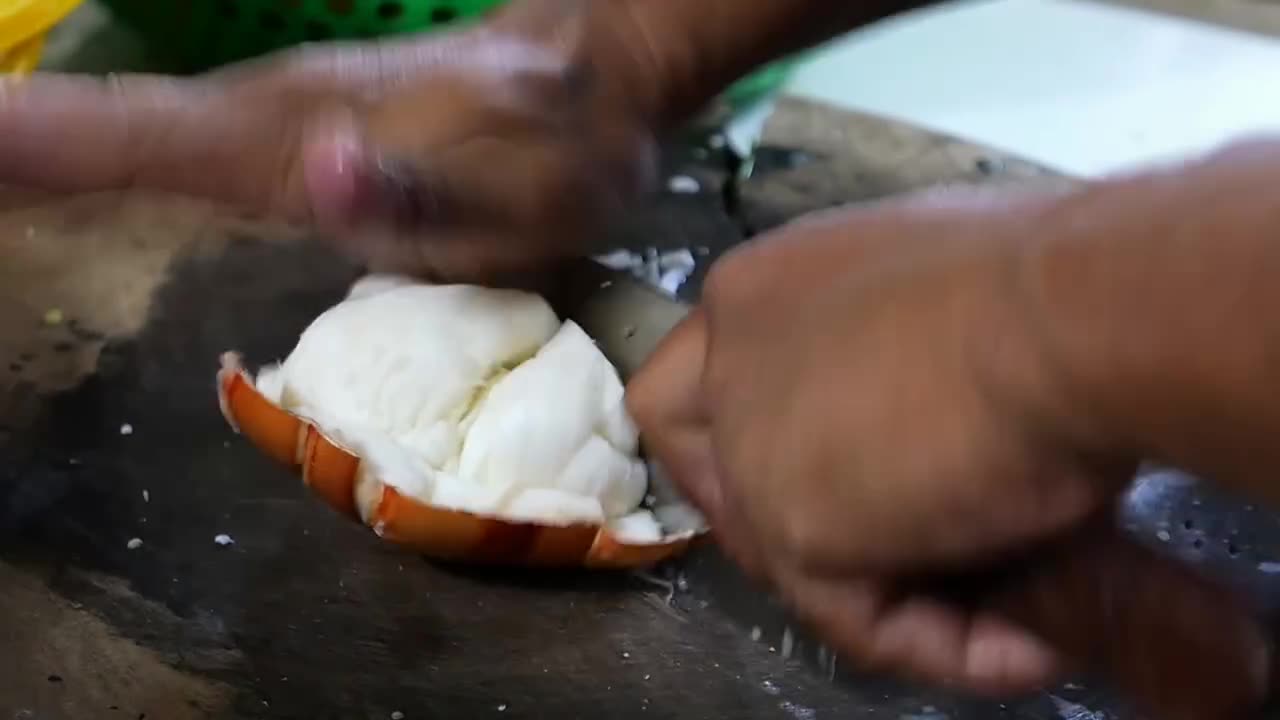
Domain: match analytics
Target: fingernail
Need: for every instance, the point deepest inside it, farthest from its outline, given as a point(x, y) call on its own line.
point(333, 159)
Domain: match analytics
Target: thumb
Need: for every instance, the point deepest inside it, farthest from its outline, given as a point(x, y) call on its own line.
point(663, 398)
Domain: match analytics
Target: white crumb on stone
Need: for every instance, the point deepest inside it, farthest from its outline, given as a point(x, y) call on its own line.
point(684, 185)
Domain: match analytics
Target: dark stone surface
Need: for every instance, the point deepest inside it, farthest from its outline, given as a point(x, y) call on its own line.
point(311, 616)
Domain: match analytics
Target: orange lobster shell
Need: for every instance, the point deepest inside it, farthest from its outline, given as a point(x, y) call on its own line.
point(334, 473)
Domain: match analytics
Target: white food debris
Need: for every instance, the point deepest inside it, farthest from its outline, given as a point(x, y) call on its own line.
point(1164, 536)
point(652, 266)
point(502, 707)
point(681, 259)
point(799, 712)
point(684, 185)
point(1074, 711)
point(223, 540)
point(672, 280)
point(626, 655)
point(126, 429)
point(134, 543)
point(756, 633)
point(668, 270)
point(619, 260)
point(146, 496)
point(397, 715)
point(676, 267)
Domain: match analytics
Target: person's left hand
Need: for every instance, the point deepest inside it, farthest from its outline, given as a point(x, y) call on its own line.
point(473, 155)
point(861, 402)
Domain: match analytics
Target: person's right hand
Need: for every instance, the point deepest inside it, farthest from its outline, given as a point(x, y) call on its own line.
point(464, 156)
point(864, 407)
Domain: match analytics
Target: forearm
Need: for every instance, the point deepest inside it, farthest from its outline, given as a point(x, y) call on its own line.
point(673, 56)
point(701, 46)
point(1158, 300)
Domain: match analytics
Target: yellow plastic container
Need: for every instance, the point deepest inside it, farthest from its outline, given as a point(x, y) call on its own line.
point(23, 26)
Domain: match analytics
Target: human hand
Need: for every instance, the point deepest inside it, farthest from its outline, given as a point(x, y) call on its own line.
point(467, 155)
point(862, 405)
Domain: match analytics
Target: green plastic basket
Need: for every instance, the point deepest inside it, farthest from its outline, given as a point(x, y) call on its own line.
point(195, 35)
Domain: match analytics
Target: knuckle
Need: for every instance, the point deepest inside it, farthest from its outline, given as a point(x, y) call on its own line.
point(135, 102)
point(135, 144)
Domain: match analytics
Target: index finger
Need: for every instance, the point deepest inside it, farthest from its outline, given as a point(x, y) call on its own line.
point(79, 133)
point(71, 133)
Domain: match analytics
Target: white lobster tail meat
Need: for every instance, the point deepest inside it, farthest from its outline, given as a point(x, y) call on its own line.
point(472, 399)
point(558, 422)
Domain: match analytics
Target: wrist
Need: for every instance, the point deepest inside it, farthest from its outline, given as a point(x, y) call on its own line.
point(1055, 259)
point(1044, 362)
point(668, 58)
point(1150, 296)
point(609, 51)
